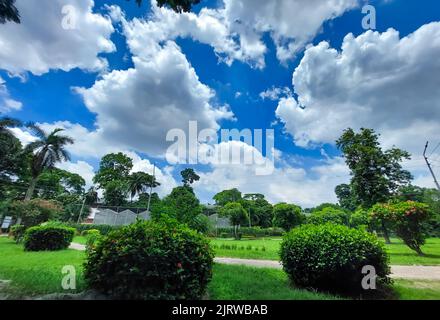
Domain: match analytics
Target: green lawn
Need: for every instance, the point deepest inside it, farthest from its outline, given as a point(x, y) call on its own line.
point(80, 240)
point(267, 249)
point(37, 273)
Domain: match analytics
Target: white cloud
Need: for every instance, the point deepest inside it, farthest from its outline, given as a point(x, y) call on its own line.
point(286, 183)
point(7, 104)
point(377, 80)
point(81, 168)
point(40, 43)
point(234, 31)
point(275, 93)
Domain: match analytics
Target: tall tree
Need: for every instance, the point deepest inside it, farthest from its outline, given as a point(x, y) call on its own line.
point(46, 152)
point(226, 196)
point(189, 176)
point(139, 182)
point(113, 177)
point(8, 11)
point(11, 157)
point(376, 175)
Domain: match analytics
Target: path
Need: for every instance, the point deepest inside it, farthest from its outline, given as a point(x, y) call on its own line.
point(398, 272)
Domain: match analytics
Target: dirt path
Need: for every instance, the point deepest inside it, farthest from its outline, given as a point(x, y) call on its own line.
point(398, 272)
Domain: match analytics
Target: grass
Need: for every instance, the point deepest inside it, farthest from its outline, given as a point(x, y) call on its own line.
point(245, 283)
point(267, 249)
point(36, 273)
point(80, 240)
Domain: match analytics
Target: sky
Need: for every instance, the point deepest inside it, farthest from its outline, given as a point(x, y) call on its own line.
point(118, 77)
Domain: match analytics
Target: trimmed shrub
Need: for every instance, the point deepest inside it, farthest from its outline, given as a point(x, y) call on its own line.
point(50, 238)
point(17, 232)
point(151, 260)
point(330, 258)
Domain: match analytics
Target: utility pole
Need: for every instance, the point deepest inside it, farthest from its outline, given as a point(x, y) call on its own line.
point(84, 203)
point(429, 166)
point(151, 187)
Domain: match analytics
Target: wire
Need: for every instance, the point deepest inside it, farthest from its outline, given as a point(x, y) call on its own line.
point(435, 149)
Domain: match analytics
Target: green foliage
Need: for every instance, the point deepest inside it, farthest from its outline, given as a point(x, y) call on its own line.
point(103, 229)
point(236, 214)
point(227, 196)
point(177, 5)
point(115, 193)
point(360, 219)
point(34, 212)
point(189, 176)
point(407, 220)
point(56, 183)
point(329, 215)
point(152, 261)
point(48, 238)
point(376, 174)
point(252, 232)
point(139, 182)
point(287, 216)
point(181, 205)
point(201, 224)
point(17, 232)
point(260, 210)
point(330, 258)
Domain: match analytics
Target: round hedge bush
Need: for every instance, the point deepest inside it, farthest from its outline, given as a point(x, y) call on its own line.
point(151, 261)
point(50, 238)
point(330, 258)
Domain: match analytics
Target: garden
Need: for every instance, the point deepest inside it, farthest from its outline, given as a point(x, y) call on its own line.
point(353, 249)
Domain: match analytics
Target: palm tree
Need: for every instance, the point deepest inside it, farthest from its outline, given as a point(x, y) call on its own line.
point(46, 152)
point(139, 182)
point(6, 123)
point(8, 11)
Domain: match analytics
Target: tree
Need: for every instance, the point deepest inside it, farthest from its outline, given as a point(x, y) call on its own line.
point(46, 152)
point(54, 183)
point(177, 5)
point(226, 196)
point(237, 215)
point(259, 209)
point(407, 219)
point(376, 174)
point(329, 215)
point(139, 182)
point(346, 197)
point(189, 176)
point(113, 166)
point(11, 155)
point(8, 12)
point(287, 216)
point(115, 193)
point(181, 204)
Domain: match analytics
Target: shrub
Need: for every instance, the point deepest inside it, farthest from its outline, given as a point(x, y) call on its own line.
point(104, 229)
point(51, 238)
point(151, 260)
point(329, 215)
point(17, 232)
point(360, 219)
point(92, 236)
point(330, 258)
point(407, 219)
point(287, 216)
point(200, 223)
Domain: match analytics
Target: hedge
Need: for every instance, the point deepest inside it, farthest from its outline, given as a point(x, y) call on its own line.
point(51, 238)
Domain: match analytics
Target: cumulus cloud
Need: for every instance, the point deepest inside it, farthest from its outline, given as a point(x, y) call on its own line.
point(235, 32)
point(377, 80)
point(7, 104)
point(81, 168)
point(42, 42)
point(286, 183)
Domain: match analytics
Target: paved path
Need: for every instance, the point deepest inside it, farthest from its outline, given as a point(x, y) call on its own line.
point(398, 272)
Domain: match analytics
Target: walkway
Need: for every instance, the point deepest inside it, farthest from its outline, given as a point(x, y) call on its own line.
point(398, 272)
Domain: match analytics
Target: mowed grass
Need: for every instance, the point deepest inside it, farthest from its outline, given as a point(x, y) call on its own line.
point(246, 283)
point(80, 240)
point(268, 249)
point(36, 273)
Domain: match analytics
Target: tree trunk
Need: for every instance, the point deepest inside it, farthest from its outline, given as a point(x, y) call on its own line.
point(385, 233)
point(31, 189)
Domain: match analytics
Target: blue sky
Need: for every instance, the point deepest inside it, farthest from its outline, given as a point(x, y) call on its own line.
point(336, 91)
